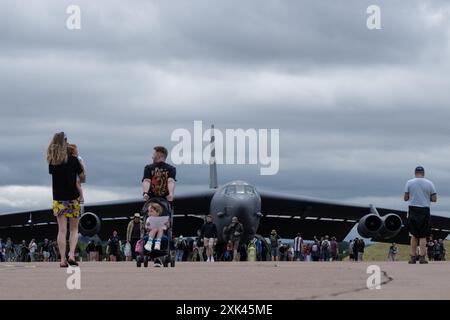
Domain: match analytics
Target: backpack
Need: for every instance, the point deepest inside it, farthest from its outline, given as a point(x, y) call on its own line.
point(273, 241)
point(181, 245)
point(325, 244)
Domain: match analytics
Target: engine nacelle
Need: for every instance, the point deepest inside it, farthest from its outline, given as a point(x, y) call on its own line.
point(89, 224)
point(369, 225)
point(391, 226)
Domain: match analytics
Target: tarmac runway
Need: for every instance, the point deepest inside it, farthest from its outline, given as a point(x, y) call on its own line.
point(226, 281)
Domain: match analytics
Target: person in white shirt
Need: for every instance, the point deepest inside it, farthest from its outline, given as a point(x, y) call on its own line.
point(32, 247)
point(419, 192)
point(298, 248)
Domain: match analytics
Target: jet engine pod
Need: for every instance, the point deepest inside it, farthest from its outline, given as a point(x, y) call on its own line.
point(89, 224)
point(369, 225)
point(391, 226)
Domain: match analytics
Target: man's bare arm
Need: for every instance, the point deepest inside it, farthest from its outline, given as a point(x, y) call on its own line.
point(406, 196)
point(145, 185)
point(171, 187)
point(146, 188)
point(434, 197)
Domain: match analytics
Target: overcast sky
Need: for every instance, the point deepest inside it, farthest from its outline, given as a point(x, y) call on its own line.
point(357, 109)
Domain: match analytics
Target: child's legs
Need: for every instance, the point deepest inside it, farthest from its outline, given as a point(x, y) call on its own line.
point(159, 234)
point(152, 233)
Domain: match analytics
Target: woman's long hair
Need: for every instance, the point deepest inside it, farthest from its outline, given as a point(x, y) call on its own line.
point(57, 149)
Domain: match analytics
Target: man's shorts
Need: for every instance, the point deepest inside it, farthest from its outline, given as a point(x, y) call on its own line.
point(70, 209)
point(419, 222)
point(208, 242)
point(46, 254)
point(274, 252)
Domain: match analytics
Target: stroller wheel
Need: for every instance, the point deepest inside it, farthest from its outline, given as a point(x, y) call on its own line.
point(145, 262)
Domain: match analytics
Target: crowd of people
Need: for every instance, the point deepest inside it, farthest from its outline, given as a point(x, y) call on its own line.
point(46, 251)
point(68, 172)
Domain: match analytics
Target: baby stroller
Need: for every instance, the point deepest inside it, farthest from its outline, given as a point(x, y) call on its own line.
point(165, 255)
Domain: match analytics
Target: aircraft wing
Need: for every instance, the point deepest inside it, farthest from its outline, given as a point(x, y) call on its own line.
point(290, 214)
point(41, 224)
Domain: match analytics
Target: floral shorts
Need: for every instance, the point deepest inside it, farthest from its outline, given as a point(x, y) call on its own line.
point(70, 209)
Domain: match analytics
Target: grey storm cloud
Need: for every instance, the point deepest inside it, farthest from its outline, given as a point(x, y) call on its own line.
point(357, 109)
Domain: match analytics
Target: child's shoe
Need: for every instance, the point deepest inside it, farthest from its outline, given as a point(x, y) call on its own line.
point(148, 246)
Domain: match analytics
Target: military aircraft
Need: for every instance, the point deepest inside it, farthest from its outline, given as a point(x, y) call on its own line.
point(258, 211)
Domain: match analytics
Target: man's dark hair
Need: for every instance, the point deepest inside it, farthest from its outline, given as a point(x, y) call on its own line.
point(162, 150)
point(419, 169)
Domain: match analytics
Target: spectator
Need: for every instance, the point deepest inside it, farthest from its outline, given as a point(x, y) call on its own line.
point(350, 250)
point(242, 252)
point(298, 247)
point(315, 251)
point(420, 192)
point(325, 246)
point(334, 249)
point(9, 249)
point(274, 245)
point(441, 250)
point(361, 246)
point(195, 253)
point(430, 248)
point(155, 231)
point(114, 247)
point(56, 250)
point(290, 253)
point(235, 230)
point(2, 251)
point(65, 169)
point(228, 256)
point(393, 250)
point(91, 251)
point(355, 249)
point(200, 245)
point(436, 251)
point(259, 249)
point(24, 252)
point(307, 253)
point(180, 246)
point(45, 250)
point(282, 252)
point(209, 235)
point(159, 177)
point(99, 249)
point(135, 232)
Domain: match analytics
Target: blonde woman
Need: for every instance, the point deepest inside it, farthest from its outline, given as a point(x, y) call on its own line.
point(65, 169)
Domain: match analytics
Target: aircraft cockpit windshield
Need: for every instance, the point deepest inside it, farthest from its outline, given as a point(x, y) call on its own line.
point(239, 189)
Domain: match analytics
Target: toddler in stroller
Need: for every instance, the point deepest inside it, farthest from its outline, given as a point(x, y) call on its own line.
point(157, 214)
point(155, 224)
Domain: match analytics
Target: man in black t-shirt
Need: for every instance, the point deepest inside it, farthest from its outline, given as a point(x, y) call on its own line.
point(159, 177)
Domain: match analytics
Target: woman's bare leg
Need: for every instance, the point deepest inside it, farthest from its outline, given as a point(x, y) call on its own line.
point(62, 234)
point(73, 239)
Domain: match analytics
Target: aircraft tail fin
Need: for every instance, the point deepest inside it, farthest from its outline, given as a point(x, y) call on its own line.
point(212, 163)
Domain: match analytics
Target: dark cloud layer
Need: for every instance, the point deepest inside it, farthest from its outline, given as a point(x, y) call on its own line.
point(357, 109)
